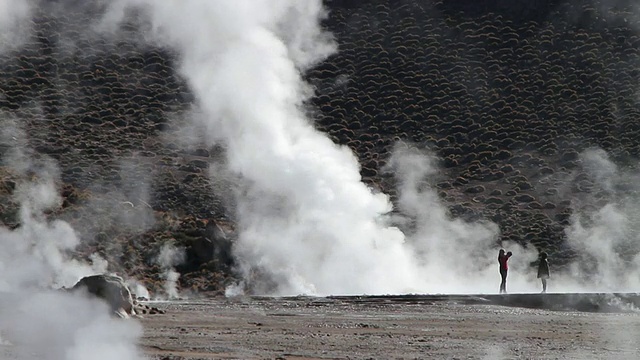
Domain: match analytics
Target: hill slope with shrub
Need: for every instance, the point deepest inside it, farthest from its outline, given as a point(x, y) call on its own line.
point(526, 104)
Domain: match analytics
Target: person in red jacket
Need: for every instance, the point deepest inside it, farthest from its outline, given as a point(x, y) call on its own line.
point(504, 268)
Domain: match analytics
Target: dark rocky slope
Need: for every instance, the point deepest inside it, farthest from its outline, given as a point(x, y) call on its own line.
point(507, 94)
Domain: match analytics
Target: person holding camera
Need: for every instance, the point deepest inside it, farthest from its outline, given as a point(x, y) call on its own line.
point(504, 268)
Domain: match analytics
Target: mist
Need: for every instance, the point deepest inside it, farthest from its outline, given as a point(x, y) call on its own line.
point(15, 24)
point(169, 257)
point(307, 223)
point(34, 253)
point(58, 325)
point(457, 256)
point(37, 320)
point(603, 229)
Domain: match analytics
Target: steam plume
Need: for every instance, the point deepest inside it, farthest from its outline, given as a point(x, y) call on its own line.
point(36, 321)
point(604, 230)
point(307, 222)
point(34, 254)
point(457, 256)
point(168, 258)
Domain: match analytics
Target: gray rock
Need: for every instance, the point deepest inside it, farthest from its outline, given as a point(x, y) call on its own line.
point(110, 288)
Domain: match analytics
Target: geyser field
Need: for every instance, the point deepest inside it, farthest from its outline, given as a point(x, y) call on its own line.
point(307, 161)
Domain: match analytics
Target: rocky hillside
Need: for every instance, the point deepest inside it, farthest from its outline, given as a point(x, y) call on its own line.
point(507, 94)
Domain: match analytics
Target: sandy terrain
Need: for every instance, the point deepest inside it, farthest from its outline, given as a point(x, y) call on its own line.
point(413, 328)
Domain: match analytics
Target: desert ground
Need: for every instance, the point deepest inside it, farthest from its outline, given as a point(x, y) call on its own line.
point(409, 327)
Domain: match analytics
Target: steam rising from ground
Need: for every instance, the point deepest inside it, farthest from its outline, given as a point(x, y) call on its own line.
point(604, 228)
point(168, 258)
point(36, 321)
point(307, 222)
point(34, 254)
point(456, 256)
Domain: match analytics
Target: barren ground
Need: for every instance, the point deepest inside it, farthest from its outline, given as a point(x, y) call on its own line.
point(350, 328)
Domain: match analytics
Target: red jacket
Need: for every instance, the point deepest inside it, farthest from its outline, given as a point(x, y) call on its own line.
point(502, 260)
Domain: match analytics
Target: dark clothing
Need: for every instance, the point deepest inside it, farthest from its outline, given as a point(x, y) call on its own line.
point(543, 272)
point(503, 284)
point(543, 269)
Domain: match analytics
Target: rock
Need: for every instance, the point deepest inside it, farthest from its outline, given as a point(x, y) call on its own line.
point(474, 189)
point(214, 245)
point(110, 288)
point(148, 310)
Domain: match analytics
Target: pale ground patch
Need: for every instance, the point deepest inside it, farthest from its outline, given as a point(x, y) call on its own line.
point(320, 328)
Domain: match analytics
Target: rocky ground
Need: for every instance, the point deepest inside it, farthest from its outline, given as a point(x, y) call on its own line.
point(414, 328)
point(506, 94)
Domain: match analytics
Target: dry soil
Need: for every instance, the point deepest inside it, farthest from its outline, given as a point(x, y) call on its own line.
point(353, 328)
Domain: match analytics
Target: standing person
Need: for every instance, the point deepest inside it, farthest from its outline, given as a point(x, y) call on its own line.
point(504, 268)
point(543, 270)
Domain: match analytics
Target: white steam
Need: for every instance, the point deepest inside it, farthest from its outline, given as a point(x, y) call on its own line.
point(307, 222)
point(35, 253)
point(456, 256)
point(15, 23)
point(168, 258)
point(604, 228)
point(306, 219)
point(138, 290)
point(37, 321)
point(56, 325)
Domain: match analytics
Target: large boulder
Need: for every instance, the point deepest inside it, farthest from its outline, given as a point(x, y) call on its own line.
point(110, 288)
